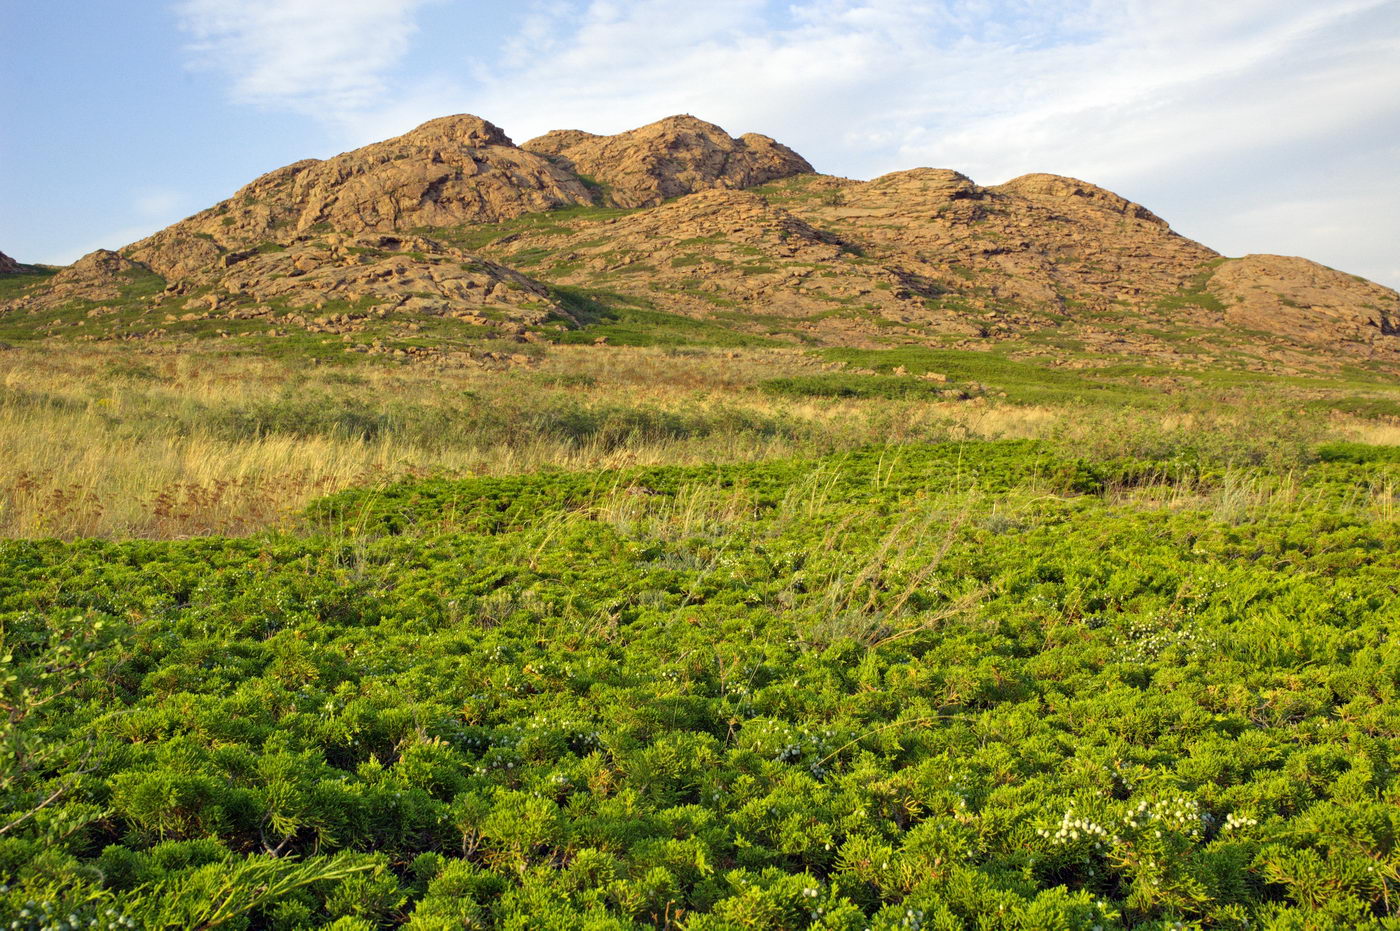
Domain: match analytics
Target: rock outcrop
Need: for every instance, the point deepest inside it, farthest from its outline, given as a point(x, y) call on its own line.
point(1048, 188)
point(98, 276)
point(9, 266)
point(387, 273)
point(447, 172)
point(1041, 243)
point(734, 253)
point(928, 252)
point(671, 157)
point(1276, 294)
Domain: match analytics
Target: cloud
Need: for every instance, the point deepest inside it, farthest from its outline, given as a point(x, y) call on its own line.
point(1175, 102)
point(325, 58)
point(873, 84)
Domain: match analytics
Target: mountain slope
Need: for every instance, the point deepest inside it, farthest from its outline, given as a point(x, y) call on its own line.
point(454, 170)
point(1292, 296)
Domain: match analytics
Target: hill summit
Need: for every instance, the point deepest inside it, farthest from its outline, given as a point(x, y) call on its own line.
point(669, 158)
point(540, 241)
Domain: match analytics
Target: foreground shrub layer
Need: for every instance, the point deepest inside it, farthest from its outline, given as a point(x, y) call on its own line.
point(937, 687)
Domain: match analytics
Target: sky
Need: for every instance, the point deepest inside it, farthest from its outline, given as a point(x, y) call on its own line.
point(1249, 125)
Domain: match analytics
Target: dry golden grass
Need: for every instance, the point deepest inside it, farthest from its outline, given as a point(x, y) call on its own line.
point(127, 441)
point(121, 442)
point(1368, 431)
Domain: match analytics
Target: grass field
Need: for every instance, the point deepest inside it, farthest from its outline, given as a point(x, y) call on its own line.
point(693, 637)
point(123, 441)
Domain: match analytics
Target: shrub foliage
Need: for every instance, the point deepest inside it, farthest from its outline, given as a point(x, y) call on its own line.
point(933, 687)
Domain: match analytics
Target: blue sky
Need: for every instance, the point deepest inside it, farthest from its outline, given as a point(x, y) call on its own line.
point(1253, 125)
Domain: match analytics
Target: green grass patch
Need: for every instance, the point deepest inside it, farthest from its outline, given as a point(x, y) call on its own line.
point(1024, 382)
point(887, 387)
point(1375, 408)
point(129, 311)
point(16, 285)
point(1196, 293)
point(1358, 452)
point(627, 321)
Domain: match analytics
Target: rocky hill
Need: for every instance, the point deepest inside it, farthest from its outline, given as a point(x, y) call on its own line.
point(675, 156)
point(453, 221)
point(450, 171)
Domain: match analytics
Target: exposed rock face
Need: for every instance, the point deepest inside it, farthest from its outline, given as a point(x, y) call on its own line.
point(102, 264)
point(923, 252)
point(97, 276)
point(9, 266)
point(1040, 243)
point(453, 131)
point(911, 255)
point(675, 156)
point(916, 185)
point(1045, 187)
point(558, 141)
point(1304, 300)
point(447, 172)
point(394, 272)
point(732, 252)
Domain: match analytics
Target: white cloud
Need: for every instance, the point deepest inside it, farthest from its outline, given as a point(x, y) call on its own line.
point(1177, 99)
point(990, 83)
point(326, 58)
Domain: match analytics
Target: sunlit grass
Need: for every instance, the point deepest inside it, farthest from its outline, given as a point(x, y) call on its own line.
point(119, 441)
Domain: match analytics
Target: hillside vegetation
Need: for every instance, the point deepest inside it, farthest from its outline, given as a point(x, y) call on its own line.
point(643, 531)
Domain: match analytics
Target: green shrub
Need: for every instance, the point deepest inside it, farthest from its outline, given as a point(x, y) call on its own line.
point(899, 687)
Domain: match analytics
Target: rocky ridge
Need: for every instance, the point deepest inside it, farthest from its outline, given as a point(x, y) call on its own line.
point(447, 172)
point(733, 254)
point(669, 158)
point(453, 221)
point(376, 275)
point(1035, 242)
point(928, 254)
point(98, 276)
point(9, 266)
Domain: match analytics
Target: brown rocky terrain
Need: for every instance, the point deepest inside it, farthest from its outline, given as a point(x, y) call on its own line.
point(447, 172)
point(1036, 244)
point(928, 254)
point(390, 272)
point(97, 276)
point(734, 255)
point(671, 157)
point(453, 221)
point(1276, 294)
point(9, 266)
